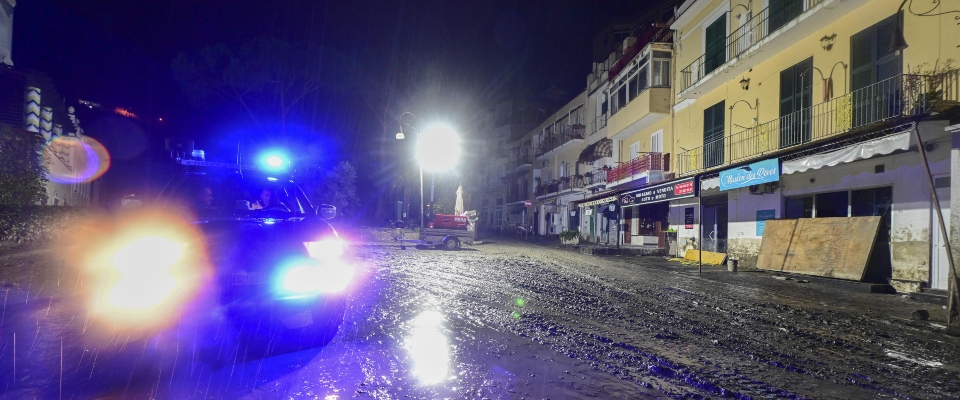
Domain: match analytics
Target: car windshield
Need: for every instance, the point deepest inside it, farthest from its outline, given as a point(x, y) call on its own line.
point(248, 195)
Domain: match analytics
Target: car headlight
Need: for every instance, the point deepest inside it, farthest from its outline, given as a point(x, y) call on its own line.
point(308, 278)
point(330, 248)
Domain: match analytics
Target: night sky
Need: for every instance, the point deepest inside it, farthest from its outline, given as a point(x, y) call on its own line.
point(440, 59)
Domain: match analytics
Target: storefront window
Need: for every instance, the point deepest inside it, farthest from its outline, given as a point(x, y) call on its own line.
point(832, 204)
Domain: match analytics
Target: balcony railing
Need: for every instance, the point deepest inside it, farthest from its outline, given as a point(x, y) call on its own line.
point(519, 160)
point(896, 97)
point(643, 163)
point(568, 133)
point(595, 177)
point(598, 124)
point(761, 26)
point(648, 35)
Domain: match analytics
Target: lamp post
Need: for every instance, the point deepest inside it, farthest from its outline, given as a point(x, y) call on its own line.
point(438, 148)
point(400, 136)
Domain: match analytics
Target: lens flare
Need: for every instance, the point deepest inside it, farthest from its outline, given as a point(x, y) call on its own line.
point(139, 270)
point(72, 159)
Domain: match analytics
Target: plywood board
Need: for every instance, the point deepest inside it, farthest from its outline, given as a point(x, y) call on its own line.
point(775, 242)
point(709, 257)
point(830, 247)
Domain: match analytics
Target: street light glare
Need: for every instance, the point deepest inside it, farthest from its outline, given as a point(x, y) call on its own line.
point(438, 148)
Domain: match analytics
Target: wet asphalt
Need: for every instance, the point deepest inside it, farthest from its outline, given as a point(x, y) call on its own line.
point(512, 320)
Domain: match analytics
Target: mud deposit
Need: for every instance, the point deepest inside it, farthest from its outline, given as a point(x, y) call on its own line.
point(511, 320)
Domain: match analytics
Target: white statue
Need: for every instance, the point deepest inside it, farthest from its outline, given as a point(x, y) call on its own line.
point(6, 31)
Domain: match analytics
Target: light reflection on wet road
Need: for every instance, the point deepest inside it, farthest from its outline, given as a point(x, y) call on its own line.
point(511, 321)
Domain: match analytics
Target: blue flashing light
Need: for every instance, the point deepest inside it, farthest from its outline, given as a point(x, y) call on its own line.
point(274, 161)
point(271, 179)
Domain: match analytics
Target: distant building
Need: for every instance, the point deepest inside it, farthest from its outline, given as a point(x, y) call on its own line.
point(30, 101)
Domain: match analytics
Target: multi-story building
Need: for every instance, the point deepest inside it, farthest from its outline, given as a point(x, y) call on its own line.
point(818, 101)
point(629, 96)
point(498, 164)
point(559, 140)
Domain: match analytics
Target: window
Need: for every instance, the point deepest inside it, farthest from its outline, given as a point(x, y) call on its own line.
point(661, 73)
point(832, 204)
point(713, 135)
point(783, 11)
point(798, 207)
point(796, 88)
point(873, 62)
point(634, 150)
point(716, 51)
point(656, 142)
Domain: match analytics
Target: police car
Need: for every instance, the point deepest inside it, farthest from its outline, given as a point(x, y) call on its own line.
point(240, 258)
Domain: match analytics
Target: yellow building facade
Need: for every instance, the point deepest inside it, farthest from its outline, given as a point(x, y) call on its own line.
point(829, 92)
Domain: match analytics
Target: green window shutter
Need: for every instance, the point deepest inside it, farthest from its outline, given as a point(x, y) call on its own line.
point(796, 97)
point(713, 135)
point(716, 50)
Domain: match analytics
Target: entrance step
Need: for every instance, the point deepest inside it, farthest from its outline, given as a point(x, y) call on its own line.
point(931, 296)
point(622, 251)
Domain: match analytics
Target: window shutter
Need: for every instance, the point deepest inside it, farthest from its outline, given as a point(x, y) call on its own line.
point(716, 36)
point(713, 139)
point(888, 62)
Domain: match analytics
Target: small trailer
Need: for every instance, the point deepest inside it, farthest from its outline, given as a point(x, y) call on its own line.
point(446, 232)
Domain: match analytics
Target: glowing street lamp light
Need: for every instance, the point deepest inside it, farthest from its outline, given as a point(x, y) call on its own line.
point(438, 149)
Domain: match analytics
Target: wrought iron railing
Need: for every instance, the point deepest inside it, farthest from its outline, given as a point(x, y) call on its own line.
point(759, 27)
point(598, 124)
point(900, 96)
point(568, 133)
point(547, 188)
point(595, 177)
point(645, 162)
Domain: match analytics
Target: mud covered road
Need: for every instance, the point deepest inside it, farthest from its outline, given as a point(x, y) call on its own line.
point(514, 320)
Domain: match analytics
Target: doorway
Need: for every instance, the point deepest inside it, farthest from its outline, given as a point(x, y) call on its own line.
point(715, 224)
point(939, 265)
point(629, 227)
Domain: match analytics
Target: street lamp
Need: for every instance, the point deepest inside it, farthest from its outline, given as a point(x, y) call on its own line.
point(438, 149)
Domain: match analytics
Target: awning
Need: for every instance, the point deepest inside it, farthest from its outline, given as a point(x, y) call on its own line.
point(602, 148)
point(709, 183)
point(601, 199)
point(859, 151)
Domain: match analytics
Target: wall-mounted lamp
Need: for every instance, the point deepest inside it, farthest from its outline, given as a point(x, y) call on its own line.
point(745, 83)
point(827, 41)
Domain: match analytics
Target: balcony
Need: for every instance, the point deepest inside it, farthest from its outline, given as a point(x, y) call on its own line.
point(595, 178)
point(651, 34)
point(773, 31)
point(520, 163)
point(873, 106)
point(568, 184)
point(569, 136)
point(648, 166)
point(650, 106)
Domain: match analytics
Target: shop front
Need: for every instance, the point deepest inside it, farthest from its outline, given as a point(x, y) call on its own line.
point(597, 218)
point(646, 212)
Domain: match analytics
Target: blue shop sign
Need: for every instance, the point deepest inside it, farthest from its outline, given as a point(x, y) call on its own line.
point(752, 174)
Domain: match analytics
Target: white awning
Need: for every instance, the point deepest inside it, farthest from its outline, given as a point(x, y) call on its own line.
point(860, 151)
point(710, 183)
